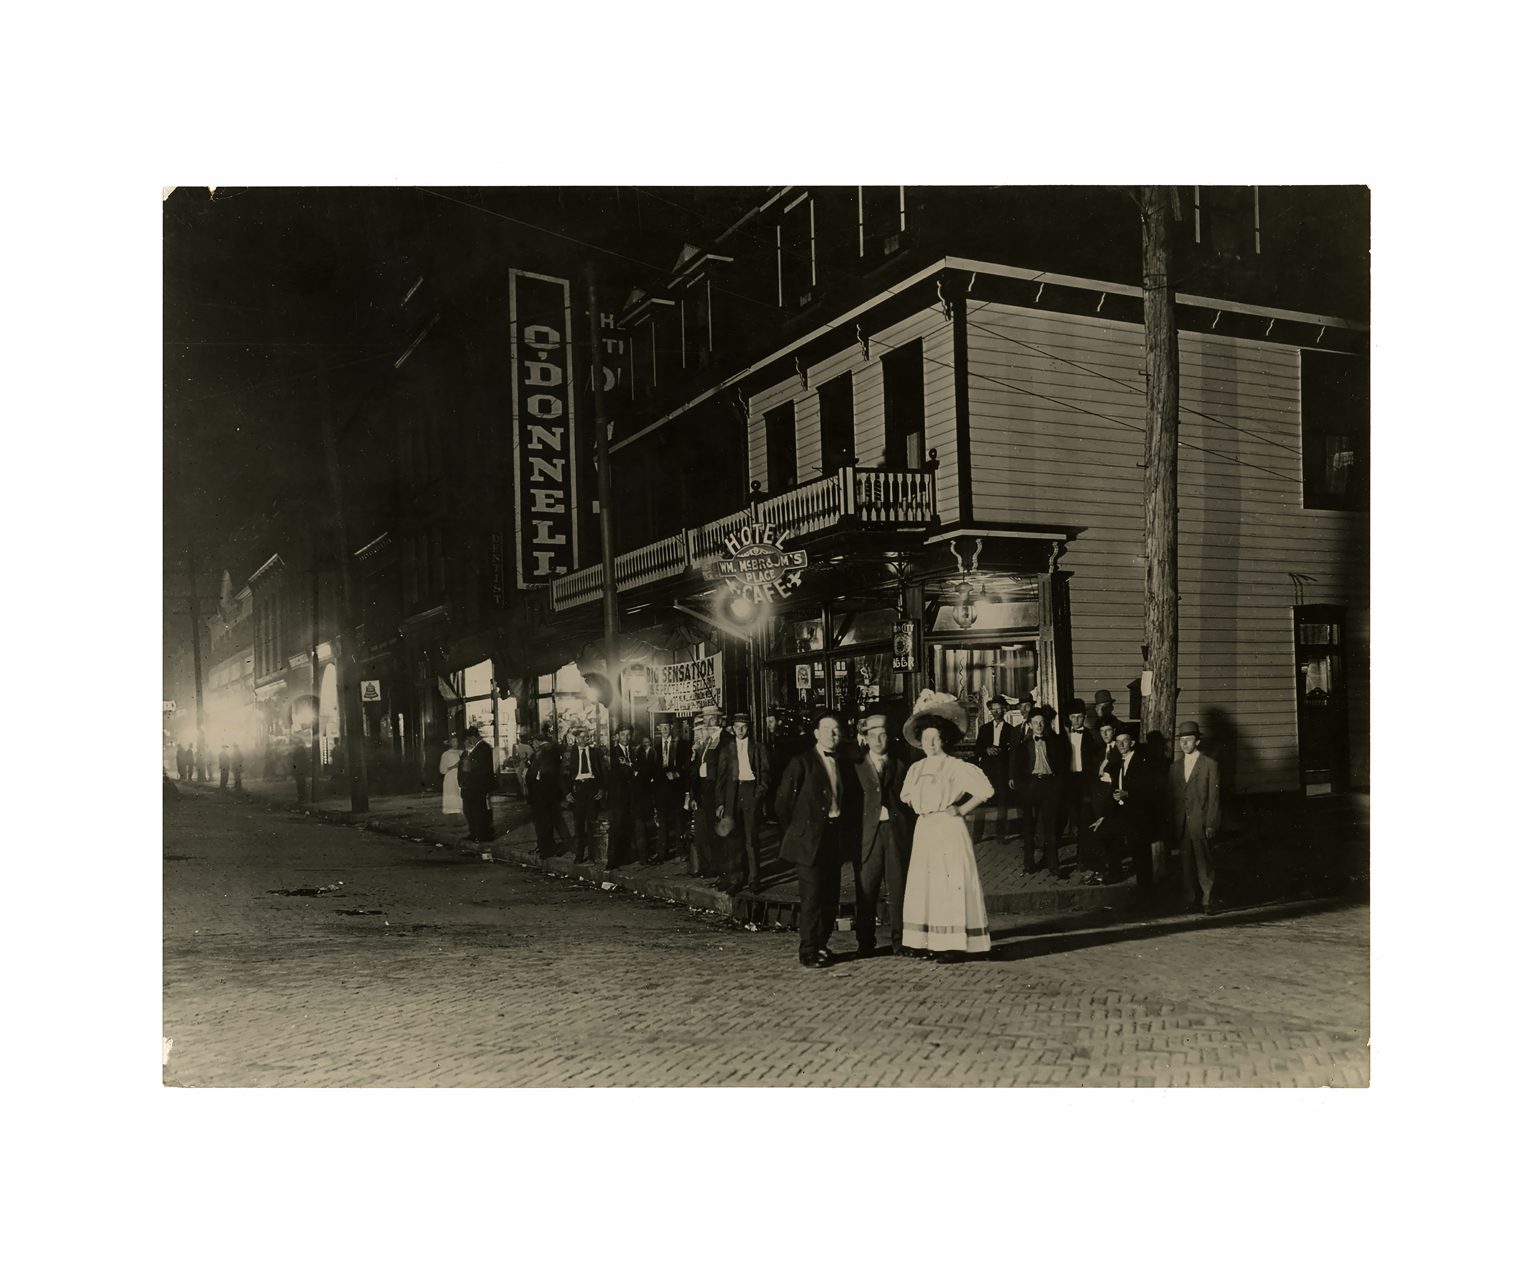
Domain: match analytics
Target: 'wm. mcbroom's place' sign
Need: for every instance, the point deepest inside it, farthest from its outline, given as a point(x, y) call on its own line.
point(543, 425)
point(757, 565)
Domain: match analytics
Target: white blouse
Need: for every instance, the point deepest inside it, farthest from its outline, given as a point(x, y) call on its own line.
point(936, 782)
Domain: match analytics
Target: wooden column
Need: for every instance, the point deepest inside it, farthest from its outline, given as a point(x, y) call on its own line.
point(1054, 674)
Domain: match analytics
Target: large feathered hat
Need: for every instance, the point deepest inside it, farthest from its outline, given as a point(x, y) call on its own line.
point(930, 703)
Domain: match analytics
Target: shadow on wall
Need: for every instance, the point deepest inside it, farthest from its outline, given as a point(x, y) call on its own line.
point(1220, 739)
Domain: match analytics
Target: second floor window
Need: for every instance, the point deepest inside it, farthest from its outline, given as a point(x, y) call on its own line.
point(796, 237)
point(779, 430)
point(836, 399)
point(902, 372)
point(882, 219)
point(697, 324)
point(1335, 430)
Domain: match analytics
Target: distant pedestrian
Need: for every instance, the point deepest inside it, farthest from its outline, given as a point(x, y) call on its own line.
point(448, 770)
point(223, 766)
point(183, 762)
point(1194, 814)
point(237, 766)
point(477, 780)
point(200, 760)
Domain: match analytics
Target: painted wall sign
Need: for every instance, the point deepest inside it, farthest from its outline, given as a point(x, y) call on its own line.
point(757, 565)
point(689, 686)
point(543, 426)
point(371, 691)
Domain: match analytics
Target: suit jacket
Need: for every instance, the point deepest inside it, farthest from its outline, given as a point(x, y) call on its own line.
point(803, 802)
point(1142, 781)
point(995, 735)
point(645, 763)
point(599, 768)
point(543, 777)
point(1058, 754)
point(673, 760)
point(704, 789)
point(476, 771)
point(728, 759)
point(1093, 751)
point(884, 789)
point(1196, 802)
point(623, 779)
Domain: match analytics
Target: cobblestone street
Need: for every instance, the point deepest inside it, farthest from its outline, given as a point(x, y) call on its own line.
point(299, 953)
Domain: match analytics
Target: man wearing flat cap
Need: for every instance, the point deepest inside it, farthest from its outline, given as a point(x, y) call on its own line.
point(743, 783)
point(1194, 814)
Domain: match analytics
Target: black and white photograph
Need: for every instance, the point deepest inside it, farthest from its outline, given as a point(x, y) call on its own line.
point(767, 635)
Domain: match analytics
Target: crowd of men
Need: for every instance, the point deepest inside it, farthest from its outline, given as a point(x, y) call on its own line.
point(706, 797)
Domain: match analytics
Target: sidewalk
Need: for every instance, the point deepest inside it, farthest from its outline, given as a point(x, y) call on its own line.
point(1272, 854)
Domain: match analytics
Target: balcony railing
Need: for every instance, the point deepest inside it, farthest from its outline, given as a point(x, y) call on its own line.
point(855, 495)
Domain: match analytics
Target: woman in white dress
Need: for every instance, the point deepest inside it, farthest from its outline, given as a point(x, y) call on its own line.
point(944, 915)
point(448, 766)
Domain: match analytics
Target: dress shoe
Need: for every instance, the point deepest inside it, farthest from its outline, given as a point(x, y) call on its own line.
point(866, 949)
point(820, 960)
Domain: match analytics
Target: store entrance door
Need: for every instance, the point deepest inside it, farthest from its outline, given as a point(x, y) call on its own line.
point(1322, 727)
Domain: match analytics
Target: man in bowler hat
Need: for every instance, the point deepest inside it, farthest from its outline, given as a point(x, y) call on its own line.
point(816, 798)
point(1194, 814)
point(885, 843)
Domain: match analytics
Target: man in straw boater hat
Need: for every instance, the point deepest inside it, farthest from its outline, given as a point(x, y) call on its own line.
point(819, 803)
point(1194, 814)
point(885, 843)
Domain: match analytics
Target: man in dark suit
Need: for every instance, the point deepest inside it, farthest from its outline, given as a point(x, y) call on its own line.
point(587, 775)
point(744, 773)
point(994, 742)
point(543, 789)
point(645, 784)
point(1194, 814)
point(477, 779)
point(623, 801)
point(1085, 755)
point(1101, 839)
point(1039, 766)
point(816, 796)
point(704, 790)
point(1138, 799)
point(668, 787)
point(885, 844)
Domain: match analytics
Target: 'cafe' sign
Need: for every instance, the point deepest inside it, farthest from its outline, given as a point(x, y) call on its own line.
point(757, 565)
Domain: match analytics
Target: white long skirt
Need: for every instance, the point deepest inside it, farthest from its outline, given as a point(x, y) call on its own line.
point(453, 802)
point(945, 908)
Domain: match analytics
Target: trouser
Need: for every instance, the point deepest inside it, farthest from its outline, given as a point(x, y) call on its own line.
point(239, 779)
point(818, 884)
point(1199, 870)
point(1039, 798)
point(705, 857)
point(885, 864)
point(477, 814)
point(548, 830)
point(1070, 811)
point(584, 814)
point(741, 847)
point(667, 804)
point(997, 807)
point(624, 815)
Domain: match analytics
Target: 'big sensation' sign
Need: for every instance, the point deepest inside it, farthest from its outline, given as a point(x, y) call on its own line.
point(543, 422)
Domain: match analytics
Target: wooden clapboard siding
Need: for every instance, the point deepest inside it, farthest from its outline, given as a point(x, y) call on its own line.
point(1057, 413)
point(937, 337)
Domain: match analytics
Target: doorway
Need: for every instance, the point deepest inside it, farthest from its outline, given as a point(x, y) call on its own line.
point(1322, 726)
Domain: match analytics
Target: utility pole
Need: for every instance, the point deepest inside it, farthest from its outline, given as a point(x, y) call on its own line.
point(1161, 647)
point(604, 491)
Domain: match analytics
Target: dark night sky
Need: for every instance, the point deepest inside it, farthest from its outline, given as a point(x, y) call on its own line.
point(279, 301)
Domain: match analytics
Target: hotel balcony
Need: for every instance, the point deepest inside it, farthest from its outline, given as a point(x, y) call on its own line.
point(851, 497)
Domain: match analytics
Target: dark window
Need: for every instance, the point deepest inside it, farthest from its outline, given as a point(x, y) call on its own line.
point(1335, 430)
point(882, 219)
point(779, 430)
point(797, 254)
point(902, 370)
point(836, 423)
point(1225, 220)
point(697, 337)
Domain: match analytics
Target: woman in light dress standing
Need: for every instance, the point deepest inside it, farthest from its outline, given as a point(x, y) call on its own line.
point(944, 915)
point(448, 766)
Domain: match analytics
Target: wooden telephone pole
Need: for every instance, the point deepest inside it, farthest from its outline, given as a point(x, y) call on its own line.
point(1158, 704)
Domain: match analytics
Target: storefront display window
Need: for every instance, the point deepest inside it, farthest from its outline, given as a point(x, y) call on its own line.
point(790, 635)
point(975, 674)
point(873, 626)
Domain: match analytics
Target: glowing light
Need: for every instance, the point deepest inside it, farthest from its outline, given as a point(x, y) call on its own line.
point(741, 609)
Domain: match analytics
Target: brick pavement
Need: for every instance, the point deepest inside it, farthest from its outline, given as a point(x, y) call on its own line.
point(426, 967)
